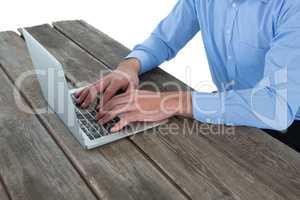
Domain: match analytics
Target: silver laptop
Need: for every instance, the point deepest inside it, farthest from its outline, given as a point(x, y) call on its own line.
point(81, 122)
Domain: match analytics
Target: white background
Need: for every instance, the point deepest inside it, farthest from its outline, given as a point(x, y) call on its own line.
point(129, 22)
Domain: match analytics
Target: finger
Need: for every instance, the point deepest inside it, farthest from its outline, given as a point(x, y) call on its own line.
point(111, 104)
point(117, 110)
point(82, 96)
point(109, 92)
point(90, 93)
point(102, 84)
point(128, 96)
point(78, 93)
point(103, 118)
point(125, 98)
point(124, 121)
point(106, 118)
point(126, 93)
point(100, 115)
point(90, 97)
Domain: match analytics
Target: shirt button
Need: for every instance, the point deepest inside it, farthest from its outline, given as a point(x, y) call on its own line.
point(228, 32)
point(229, 57)
point(234, 5)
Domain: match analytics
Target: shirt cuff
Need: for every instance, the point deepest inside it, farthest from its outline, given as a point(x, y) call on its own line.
point(145, 59)
point(207, 107)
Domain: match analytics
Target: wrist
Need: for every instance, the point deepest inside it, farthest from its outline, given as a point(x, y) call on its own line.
point(185, 105)
point(179, 103)
point(130, 64)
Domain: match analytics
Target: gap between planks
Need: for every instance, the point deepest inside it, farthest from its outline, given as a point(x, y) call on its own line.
point(51, 135)
point(143, 153)
point(153, 163)
point(3, 187)
point(125, 143)
point(228, 154)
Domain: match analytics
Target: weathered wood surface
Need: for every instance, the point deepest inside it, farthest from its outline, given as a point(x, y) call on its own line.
point(200, 185)
point(159, 164)
point(117, 171)
point(110, 52)
point(3, 193)
point(32, 166)
point(88, 34)
point(249, 164)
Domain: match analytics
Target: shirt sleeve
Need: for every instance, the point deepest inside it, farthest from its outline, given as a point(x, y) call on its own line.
point(275, 100)
point(169, 36)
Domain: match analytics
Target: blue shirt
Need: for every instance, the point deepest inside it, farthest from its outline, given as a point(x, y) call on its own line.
point(253, 49)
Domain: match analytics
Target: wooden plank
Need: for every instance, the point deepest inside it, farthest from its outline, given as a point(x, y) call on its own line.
point(109, 51)
point(32, 166)
point(247, 160)
point(43, 33)
point(263, 159)
point(113, 54)
point(3, 193)
point(273, 162)
point(117, 171)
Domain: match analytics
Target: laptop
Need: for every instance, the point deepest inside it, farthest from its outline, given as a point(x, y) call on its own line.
point(81, 122)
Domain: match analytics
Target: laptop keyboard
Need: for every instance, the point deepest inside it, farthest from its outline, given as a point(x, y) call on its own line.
point(88, 123)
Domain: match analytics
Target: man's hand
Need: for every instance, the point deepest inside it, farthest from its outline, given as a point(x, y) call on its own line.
point(139, 105)
point(123, 78)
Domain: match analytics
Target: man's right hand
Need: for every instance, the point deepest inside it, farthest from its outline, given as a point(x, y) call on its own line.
point(124, 78)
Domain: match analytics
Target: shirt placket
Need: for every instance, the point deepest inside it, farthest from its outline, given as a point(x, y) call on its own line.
point(231, 17)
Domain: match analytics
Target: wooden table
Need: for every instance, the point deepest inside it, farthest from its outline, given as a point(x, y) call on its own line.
point(39, 159)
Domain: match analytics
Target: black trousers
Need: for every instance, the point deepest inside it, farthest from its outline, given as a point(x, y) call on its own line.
point(290, 138)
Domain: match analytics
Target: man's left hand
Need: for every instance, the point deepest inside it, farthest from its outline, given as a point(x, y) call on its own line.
point(146, 106)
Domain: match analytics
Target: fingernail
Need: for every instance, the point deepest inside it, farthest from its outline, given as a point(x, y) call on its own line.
point(114, 129)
